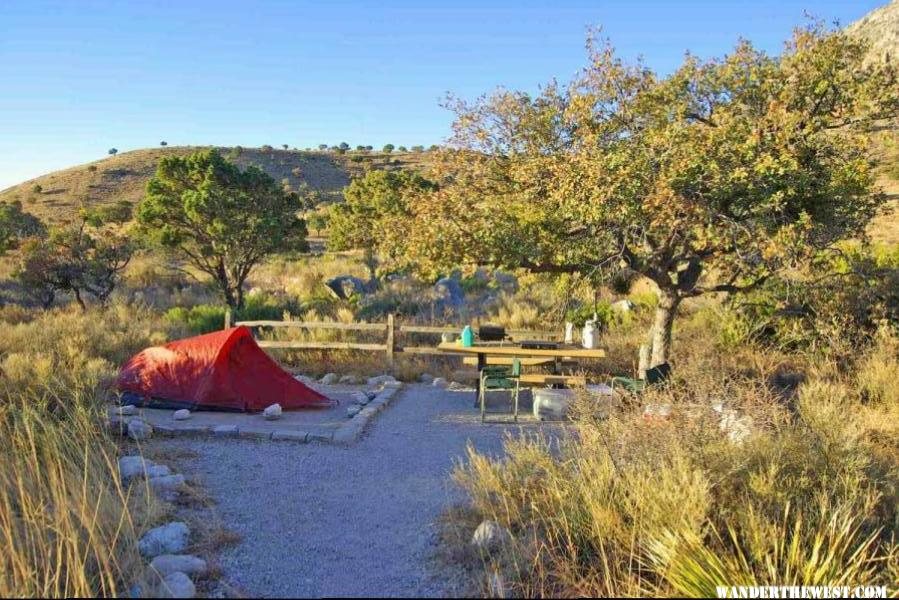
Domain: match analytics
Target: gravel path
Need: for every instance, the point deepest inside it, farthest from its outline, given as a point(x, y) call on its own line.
point(324, 520)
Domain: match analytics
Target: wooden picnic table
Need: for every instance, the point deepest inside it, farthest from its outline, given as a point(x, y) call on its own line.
point(482, 351)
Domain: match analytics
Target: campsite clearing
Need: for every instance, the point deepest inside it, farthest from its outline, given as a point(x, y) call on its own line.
point(323, 520)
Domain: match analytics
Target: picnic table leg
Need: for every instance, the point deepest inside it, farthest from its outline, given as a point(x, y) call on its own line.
point(482, 362)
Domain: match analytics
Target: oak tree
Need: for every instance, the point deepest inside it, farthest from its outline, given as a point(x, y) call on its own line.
point(710, 179)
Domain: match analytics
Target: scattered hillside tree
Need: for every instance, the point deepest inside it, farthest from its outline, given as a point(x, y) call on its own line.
point(323, 147)
point(418, 148)
point(317, 221)
point(221, 219)
point(371, 204)
point(388, 148)
point(37, 188)
point(711, 179)
point(285, 146)
point(163, 143)
point(92, 168)
point(402, 149)
point(113, 151)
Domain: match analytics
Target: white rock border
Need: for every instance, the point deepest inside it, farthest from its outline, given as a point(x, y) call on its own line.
point(347, 433)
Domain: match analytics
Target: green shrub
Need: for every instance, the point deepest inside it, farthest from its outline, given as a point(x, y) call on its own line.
point(206, 318)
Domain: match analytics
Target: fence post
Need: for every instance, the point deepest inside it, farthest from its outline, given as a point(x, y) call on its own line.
point(391, 338)
point(643, 365)
point(227, 318)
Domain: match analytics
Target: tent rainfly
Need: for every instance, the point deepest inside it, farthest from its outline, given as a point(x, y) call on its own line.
point(224, 370)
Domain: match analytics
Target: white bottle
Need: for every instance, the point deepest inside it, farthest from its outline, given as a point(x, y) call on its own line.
point(590, 336)
point(569, 332)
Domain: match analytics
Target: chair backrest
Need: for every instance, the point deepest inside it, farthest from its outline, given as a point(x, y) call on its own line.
point(658, 374)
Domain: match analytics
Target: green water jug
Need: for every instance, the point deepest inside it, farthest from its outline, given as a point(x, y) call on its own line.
point(467, 337)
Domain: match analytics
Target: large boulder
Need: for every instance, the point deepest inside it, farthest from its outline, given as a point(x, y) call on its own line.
point(449, 293)
point(170, 538)
point(346, 286)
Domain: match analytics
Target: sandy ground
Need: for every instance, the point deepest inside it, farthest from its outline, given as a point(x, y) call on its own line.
point(325, 520)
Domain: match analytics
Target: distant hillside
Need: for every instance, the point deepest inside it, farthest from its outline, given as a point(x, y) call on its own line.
point(880, 28)
point(125, 175)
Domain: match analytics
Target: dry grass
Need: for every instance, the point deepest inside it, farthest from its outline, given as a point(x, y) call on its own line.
point(674, 507)
point(68, 526)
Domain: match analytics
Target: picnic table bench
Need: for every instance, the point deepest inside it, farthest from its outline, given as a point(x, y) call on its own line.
point(483, 353)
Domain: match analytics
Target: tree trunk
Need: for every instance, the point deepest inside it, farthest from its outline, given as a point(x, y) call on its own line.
point(662, 325)
point(79, 299)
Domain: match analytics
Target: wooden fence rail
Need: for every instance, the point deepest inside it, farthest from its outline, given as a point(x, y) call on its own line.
point(391, 329)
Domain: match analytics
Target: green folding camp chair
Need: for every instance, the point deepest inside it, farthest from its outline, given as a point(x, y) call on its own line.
point(500, 378)
point(654, 376)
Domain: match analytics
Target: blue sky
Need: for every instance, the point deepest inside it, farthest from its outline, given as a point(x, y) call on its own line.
point(79, 77)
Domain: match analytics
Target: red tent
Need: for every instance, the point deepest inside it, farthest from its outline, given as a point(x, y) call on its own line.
point(225, 370)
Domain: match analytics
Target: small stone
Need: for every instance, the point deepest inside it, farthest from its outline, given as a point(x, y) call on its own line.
point(166, 483)
point(393, 384)
point(132, 466)
point(166, 539)
point(181, 415)
point(361, 398)
point(737, 428)
point(656, 412)
point(381, 380)
point(329, 379)
point(426, 378)
point(349, 380)
point(139, 430)
point(439, 382)
point(272, 413)
point(177, 585)
point(293, 436)
point(224, 431)
point(166, 564)
point(490, 535)
point(155, 470)
point(127, 410)
point(353, 410)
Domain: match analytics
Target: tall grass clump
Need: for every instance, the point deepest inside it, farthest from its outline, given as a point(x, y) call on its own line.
point(748, 482)
point(67, 526)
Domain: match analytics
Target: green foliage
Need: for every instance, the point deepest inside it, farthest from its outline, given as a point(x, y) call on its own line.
point(581, 314)
point(16, 225)
point(710, 179)
point(113, 151)
point(371, 203)
point(37, 188)
point(118, 213)
point(221, 219)
point(205, 318)
point(841, 295)
point(388, 148)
